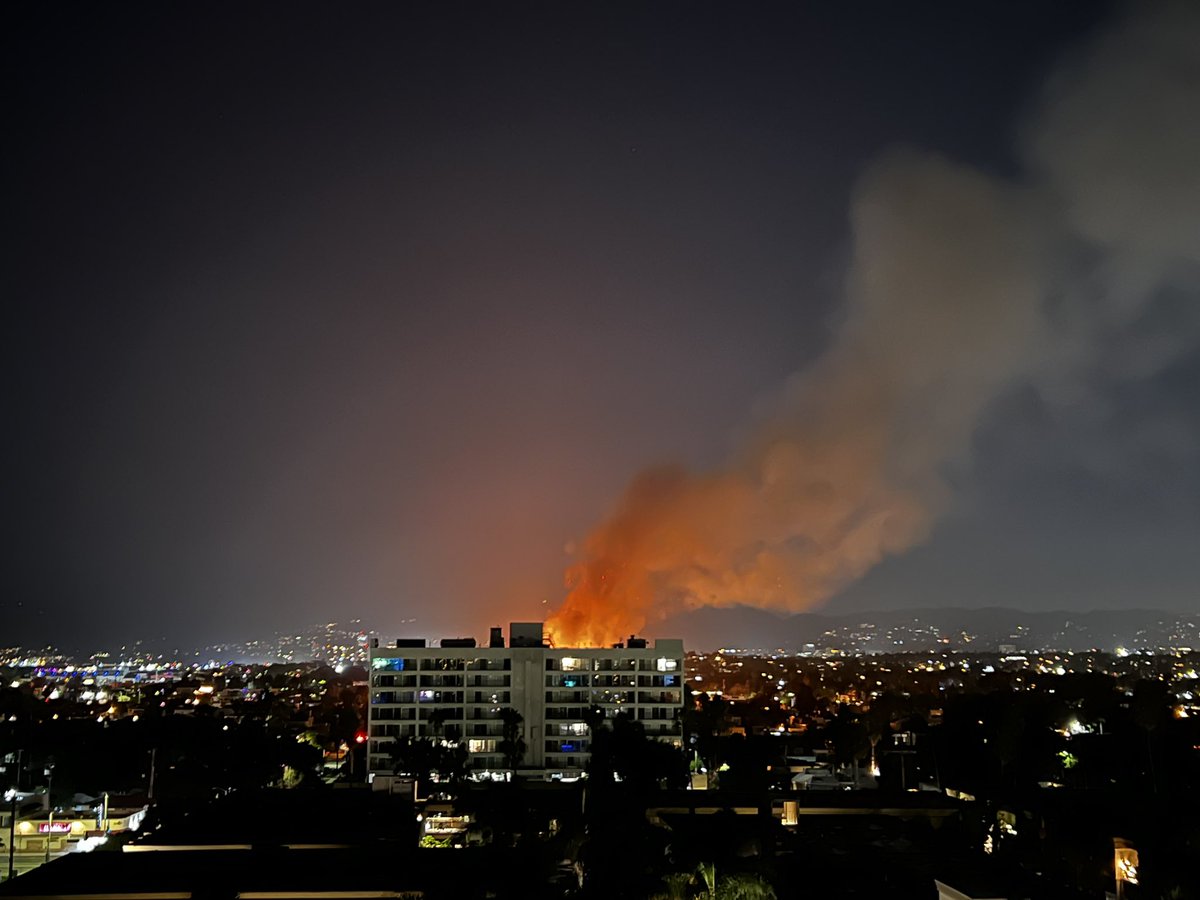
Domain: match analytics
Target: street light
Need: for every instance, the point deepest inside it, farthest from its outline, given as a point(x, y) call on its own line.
point(11, 796)
point(49, 773)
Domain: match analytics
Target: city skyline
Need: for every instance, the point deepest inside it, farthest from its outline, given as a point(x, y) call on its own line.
point(378, 312)
point(849, 635)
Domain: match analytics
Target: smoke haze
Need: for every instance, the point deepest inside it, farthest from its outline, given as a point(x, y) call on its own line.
point(962, 285)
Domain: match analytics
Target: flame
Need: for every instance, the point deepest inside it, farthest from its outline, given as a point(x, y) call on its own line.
point(779, 538)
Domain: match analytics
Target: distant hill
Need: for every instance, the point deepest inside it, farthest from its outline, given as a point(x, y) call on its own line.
point(983, 629)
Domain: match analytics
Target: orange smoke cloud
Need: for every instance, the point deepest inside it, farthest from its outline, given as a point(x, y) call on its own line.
point(961, 285)
point(845, 469)
point(681, 541)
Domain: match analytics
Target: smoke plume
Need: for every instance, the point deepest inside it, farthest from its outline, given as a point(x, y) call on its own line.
point(962, 285)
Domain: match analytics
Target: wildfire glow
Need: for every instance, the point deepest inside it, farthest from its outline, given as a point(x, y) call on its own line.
point(846, 467)
point(957, 291)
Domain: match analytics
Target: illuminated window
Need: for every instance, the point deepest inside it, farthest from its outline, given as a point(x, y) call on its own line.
point(573, 664)
point(667, 665)
point(394, 665)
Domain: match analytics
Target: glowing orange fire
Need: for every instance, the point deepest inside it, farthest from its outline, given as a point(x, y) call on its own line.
point(680, 541)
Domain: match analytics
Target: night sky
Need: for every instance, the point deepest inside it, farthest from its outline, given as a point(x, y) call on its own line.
point(373, 310)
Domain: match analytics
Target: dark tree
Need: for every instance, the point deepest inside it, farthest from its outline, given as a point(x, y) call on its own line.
point(512, 743)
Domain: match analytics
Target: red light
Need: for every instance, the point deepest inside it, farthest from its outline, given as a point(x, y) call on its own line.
point(359, 738)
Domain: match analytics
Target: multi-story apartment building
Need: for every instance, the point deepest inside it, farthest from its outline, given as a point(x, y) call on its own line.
point(551, 687)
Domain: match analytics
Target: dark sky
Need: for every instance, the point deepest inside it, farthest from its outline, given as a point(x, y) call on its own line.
point(323, 311)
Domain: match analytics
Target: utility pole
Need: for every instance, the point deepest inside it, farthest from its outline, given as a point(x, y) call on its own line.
point(12, 830)
point(904, 739)
point(153, 762)
point(49, 773)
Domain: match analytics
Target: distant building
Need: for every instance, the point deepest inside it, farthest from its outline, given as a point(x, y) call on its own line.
point(551, 687)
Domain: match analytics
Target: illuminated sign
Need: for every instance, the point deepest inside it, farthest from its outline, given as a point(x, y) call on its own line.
point(54, 827)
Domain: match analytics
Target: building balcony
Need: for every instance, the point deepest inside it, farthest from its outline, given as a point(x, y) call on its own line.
point(569, 745)
point(452, 713)
point(383, 698)
point(672, 697)
point(441, 681)
point(443, 664)
point(569, 713)
point(489, 665)
point(568, 696)
point(486, 714)
point(489, 697)
point(393, 713)
point(488, 680)
point(609, 698)
point(439, 696)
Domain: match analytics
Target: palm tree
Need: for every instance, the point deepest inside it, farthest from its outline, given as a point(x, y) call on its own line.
point(437, 719)
point(512, 744)
point(413, 756)
point(732, 887)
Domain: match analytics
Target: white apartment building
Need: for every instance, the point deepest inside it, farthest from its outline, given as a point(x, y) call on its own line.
point(551, 687)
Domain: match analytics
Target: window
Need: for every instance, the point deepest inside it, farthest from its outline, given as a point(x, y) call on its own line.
point(667, 665)
point(573, 664)
point(394, 665)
